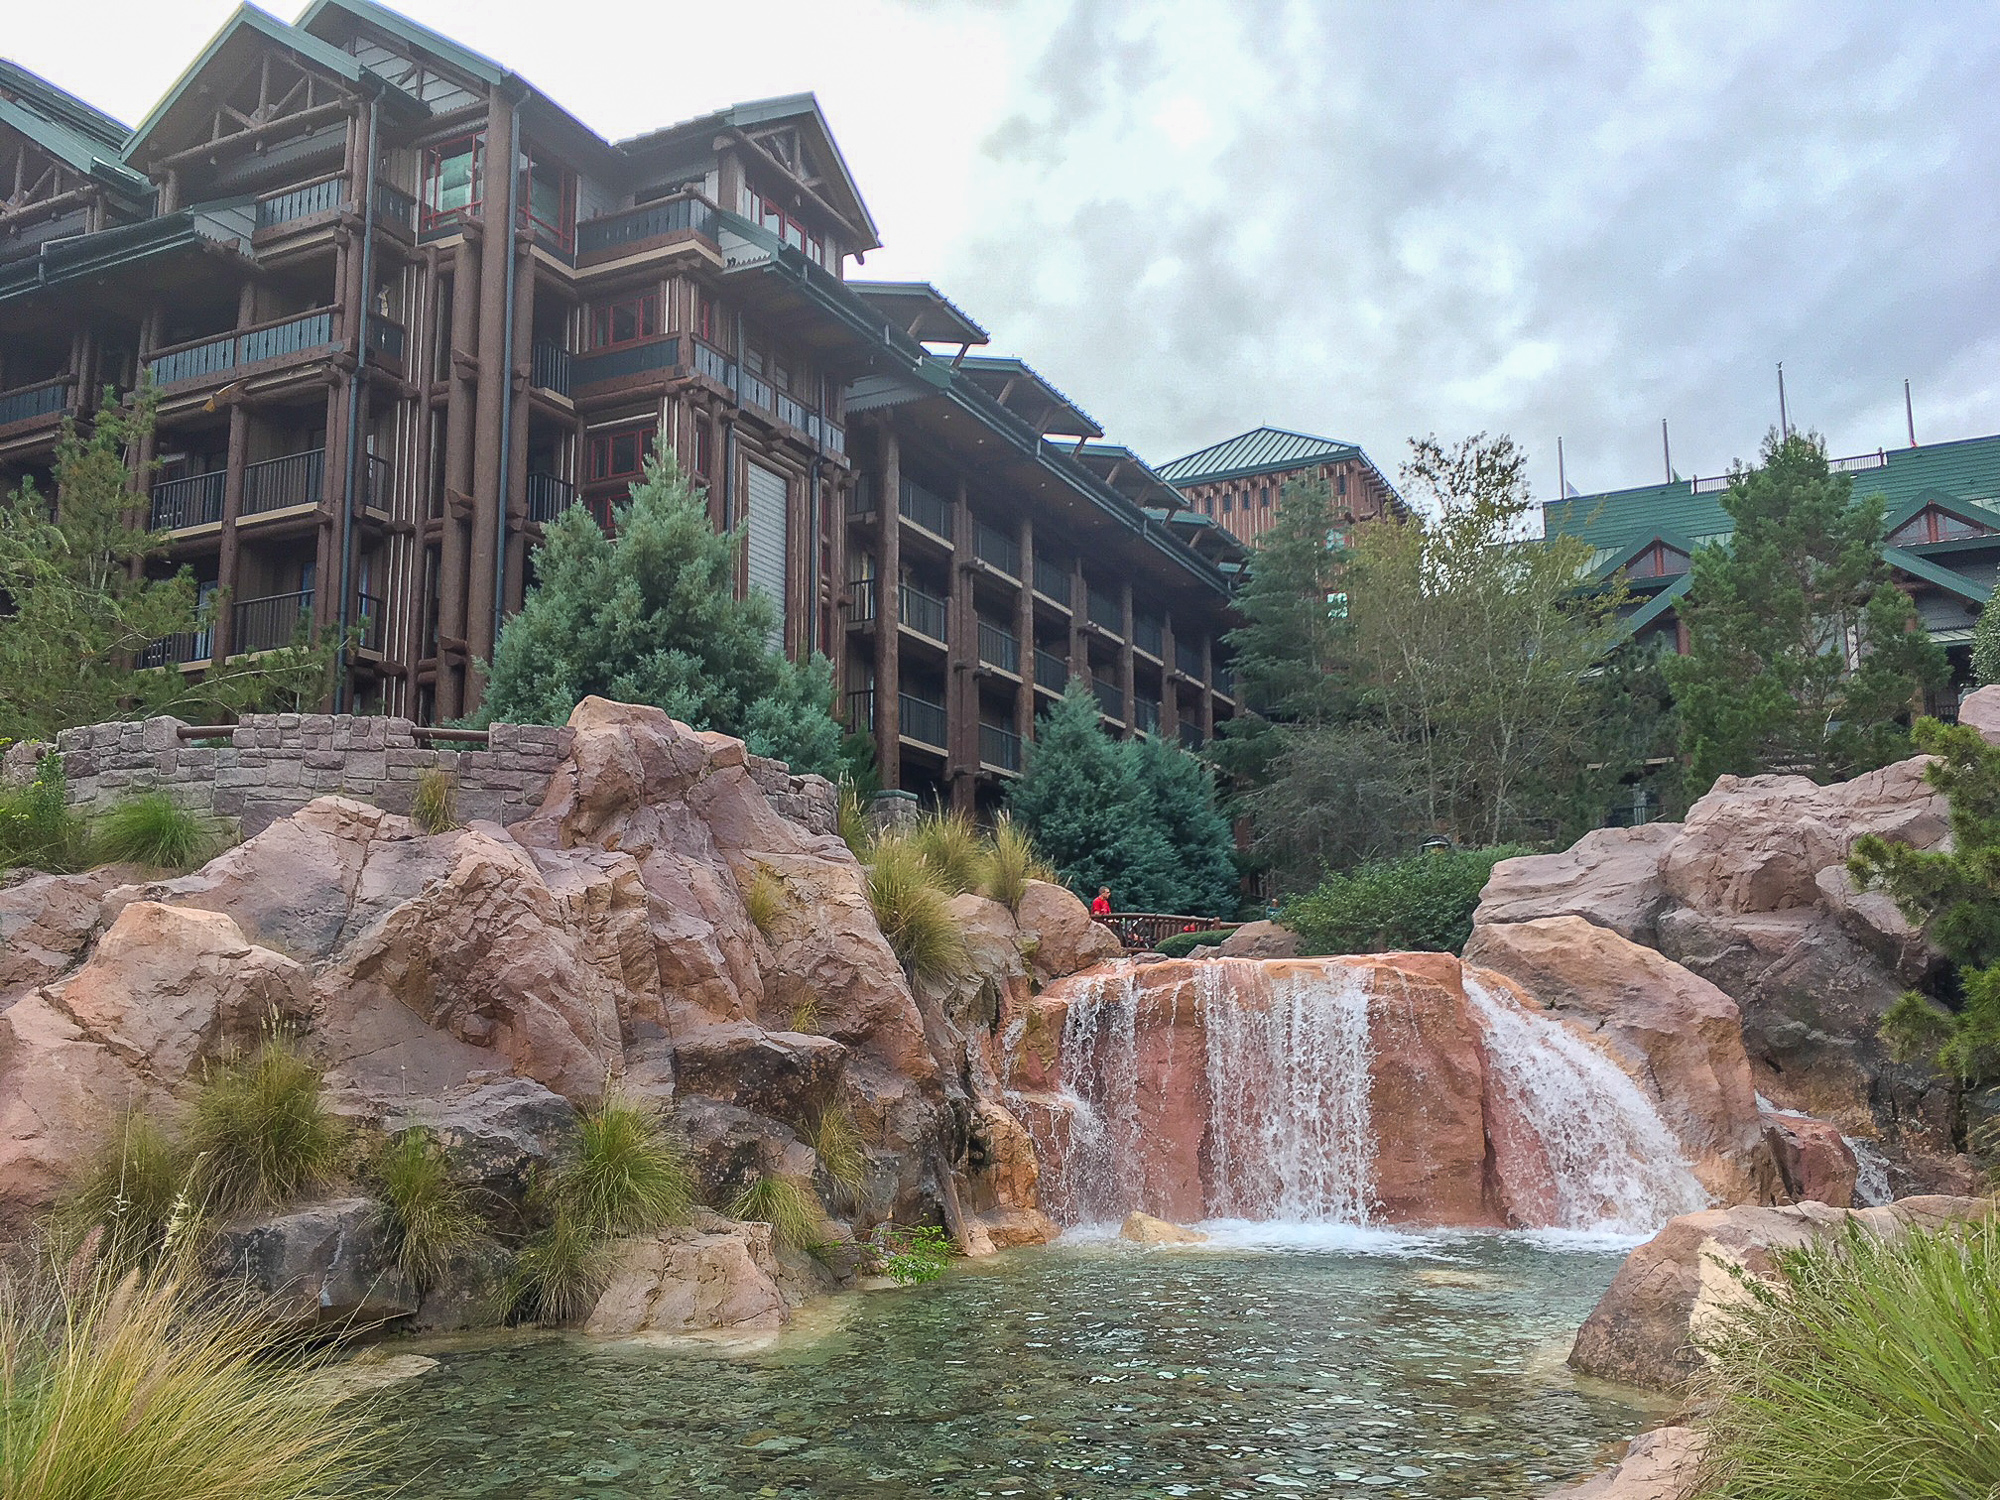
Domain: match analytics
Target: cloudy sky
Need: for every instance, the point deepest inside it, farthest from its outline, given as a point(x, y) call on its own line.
point(1359, 220)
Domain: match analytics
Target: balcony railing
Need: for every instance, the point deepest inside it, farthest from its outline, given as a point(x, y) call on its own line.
point(924, 613)
point(1146, 715)
point(173, 650)
point(922, 720)
point(992, 545)
point(712, 362)
point(1052, 580)
point(648, 222)
point(193, 501)
point(616, 364)
point(226, 351)
point(1190, 735)
point(861, 604)
point(998, 647)
point(794, 413)
point(548, 496)
point(861, 711)
point(1051, 672)
point(322, 197)
point(1225, 680)
point(548, 367)
point(271, 622)
point(386, 337)
point(1187, 656)
point(25, 403)
point(368, 613)
point(999, 748)
point(395, 206)
point(1105, 611)
point(1110, 698)
point(756, 391)
point(377, 482)
point(1149, 635)
point(279, 483)
point(926, 509)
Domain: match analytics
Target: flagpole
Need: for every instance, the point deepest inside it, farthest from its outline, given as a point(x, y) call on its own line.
point(1666, 453)
point(1909, 414)
point(1562, 480)
point(1784, 422)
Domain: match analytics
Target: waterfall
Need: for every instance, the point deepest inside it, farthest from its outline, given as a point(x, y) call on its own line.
point(1100, 1062)
point(1613, 1163)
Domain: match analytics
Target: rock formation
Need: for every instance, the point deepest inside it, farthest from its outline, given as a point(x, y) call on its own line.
point(1664, 1464)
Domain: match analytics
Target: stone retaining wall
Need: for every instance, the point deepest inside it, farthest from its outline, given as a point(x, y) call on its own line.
point(273, 764)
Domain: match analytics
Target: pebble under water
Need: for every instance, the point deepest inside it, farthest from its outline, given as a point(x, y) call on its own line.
point(1316, 1362)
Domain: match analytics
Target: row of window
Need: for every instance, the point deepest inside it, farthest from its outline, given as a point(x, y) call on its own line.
point(636, 319)
point(1263, 498)
point(759, 209)
point(454, 186)
point(620, 453)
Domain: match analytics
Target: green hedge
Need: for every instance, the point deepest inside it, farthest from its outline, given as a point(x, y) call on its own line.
point(1181, 944)
point(1423, 901)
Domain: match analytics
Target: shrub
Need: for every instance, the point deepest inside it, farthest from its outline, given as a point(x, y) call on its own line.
point(260, 1135)
point(557, 1275)
point(37, 829)
point(152, 829)
point(1871, 1371)
point(915, 915)
point(836, 1141)
point(1423, 901)
point(434, 806)
point(913, 1255)
point(1181, 944)
point(630, 1174)
point(789, 1206)
point(129, 1191)
point(854, 829)
point(131, 1386)
point(430, 1216)
point(1012, 863)
point(950, 846)
point(764, 899)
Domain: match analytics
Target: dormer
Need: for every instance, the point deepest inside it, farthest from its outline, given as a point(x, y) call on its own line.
point(1936, 522)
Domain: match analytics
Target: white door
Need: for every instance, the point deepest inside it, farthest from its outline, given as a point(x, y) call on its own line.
point(766, 543)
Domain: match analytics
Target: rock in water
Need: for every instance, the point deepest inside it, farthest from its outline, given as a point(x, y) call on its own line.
point(321, 1263)
point(1664, 1464)
point(1144, 1229)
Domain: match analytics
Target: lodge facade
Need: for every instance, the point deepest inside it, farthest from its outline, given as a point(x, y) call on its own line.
point(372, 397)
point(1239, 482)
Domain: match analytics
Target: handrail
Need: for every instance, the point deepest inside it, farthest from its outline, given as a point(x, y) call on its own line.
point(43, 399)
point(230, 333)
point(1142, 929)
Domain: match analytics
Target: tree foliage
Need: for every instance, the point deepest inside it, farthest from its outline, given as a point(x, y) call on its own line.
point(1986, 646)
point(1139, 815)
point(1422, 902)
point(650, 615)
point(80, 601)
point(1803, 654)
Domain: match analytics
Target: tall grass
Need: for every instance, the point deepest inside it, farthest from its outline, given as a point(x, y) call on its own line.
point(914, 914)
point(37, 829)
point(836, 1141)
point(557, 1275)
point(951, 847)
point(128, 1191)
point(630, 1174)
point(259, 1133)
point(153, 829)
point(430, 1216)
point(790, 1207)
point(1870, 1372)
point(137, 1388)
point(434, 804)
point(765, 899)
point(854, 829)
point(1011, 863)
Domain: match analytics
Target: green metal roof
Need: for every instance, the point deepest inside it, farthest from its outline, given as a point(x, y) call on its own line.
point(1621, 520)
point(1261, 450)
point(928, 316)
point(996, 374)
point(61, 106)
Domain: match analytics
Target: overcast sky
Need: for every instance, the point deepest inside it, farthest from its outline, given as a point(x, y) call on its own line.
point(1362, 221)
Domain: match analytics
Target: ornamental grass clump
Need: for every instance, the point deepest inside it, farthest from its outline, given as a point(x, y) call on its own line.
point(259, 1133)
point(1012, 862)
point(854, 829)
point(950, 846)
point(431, 1217)
point(434, 804)
point(127, 1194)
point(836, 1141)
point(914, 914)
point(152, 829)
point(794, 1212)
point(37, 829)
point(1870, 1371)
point(558, 1274)
point(151, 1386)
point(765, 899)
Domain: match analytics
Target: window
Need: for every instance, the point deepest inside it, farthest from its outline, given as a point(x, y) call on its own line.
point(1658, 561)
point(1340, 482)
point(626, 321)
point(705, 318)
point(1228, 503)
point(1263, 497)
point(548, 199)
point(769, 213)
point(618, 455)
point(704, 449)
point(453, 179)
point(1934, 525)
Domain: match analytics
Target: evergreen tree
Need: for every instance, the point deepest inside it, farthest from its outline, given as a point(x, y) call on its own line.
point(1986, 646)
point(650, 615)
point(1181, 802)
point(1803, 654)
point(78, 604)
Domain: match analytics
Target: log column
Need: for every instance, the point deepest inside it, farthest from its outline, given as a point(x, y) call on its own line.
point(1170, 689)
point(962, 662)
point(1024, 627)
point(1127, 685)
point(888, 607)
point(516, 484)
point(461, 396)
point(489, 462)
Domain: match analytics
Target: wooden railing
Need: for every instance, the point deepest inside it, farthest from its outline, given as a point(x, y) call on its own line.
point(1144, 929)
point(243, 346)
point(26, 402)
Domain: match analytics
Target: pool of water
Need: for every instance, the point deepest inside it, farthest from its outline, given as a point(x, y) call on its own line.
point(1322, 1363)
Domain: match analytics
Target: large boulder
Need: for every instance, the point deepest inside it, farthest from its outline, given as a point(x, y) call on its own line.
point(1676, 1288)
point(1065, 939)
point(1259, 940)
point(1610, 877)
point(46, 923)
point(1981, 709)
point(789, 1075)
point(321, 1263)
point(1815, 1161)
point(1664, 1464)
point(1677, 1036)
point(493, 1133)
point(710, 1276)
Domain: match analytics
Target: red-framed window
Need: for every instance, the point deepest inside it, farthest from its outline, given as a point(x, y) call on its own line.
point(707, 320)
point(760, 209)
point(704, 448)
point(629, 320)
point(548, 198)
point(454, 179)
point(1658, 561)
point(617, 454)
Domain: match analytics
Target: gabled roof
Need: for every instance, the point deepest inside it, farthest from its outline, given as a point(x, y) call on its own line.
point(478, 65)
point(1016, 386)
point(1939, 577)
point(920, 310)
point(246, 29)
point(1261, 450)
point(61, 107)
point(1972, 512)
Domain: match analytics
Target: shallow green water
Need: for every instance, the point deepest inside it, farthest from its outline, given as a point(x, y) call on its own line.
point(1396, 1367)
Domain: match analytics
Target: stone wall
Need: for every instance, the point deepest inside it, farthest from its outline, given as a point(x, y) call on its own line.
point(273, 764)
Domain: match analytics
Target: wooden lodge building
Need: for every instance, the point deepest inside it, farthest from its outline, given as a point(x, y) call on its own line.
point(371, 402)
point(1238, 482)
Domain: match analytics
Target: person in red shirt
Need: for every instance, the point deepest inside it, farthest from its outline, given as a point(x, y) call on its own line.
point(1101, 906)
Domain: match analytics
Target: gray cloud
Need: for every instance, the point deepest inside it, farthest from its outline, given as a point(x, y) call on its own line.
point(1570, 220)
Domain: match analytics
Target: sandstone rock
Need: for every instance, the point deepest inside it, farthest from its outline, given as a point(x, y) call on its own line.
point(729, 1147)
point(1813, 1157)
point(322, 1263)
point(46, 922)
point(1260, 940)
point(1066, 940)
point(468, 1293)
point(1144, 1229)
point(1678, 1037)
point(1664, 1464)
point(1609, 877)
point(714, 1275)
point(1673, 1289)
point(789, 1075)
point(1981, 709)
point(494, 1133)
point(168, 987)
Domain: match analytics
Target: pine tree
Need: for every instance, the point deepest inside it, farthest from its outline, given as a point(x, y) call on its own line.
point(1180, 796)
point(1986, 646)
point(1803, 654)
point(650, 615)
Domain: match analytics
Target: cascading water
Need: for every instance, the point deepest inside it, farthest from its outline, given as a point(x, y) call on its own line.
point(1613, 1163)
